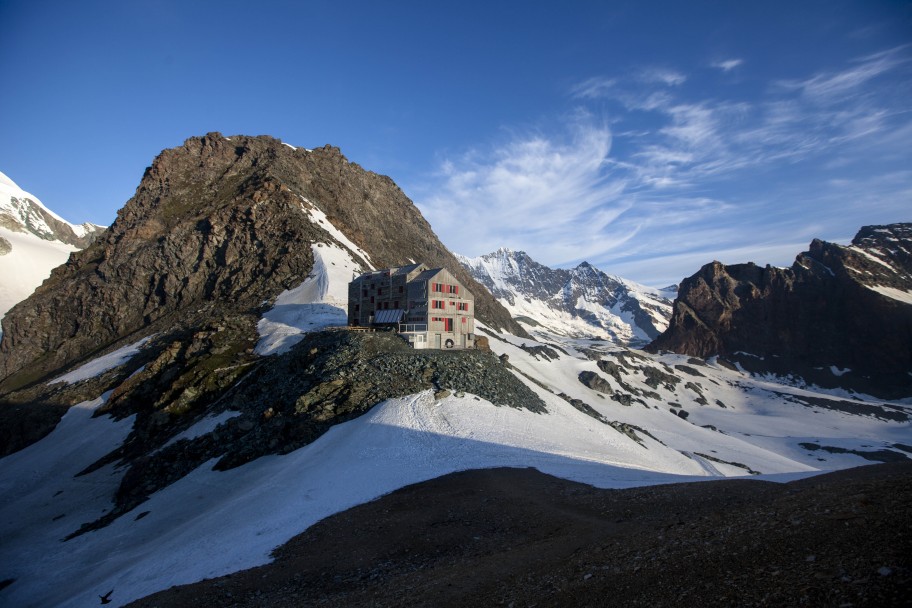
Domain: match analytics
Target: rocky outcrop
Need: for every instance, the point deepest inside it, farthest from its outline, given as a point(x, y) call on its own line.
point(841, 315)
point(216, 227)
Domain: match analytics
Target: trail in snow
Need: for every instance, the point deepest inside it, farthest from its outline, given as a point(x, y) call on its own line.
point(708, 466)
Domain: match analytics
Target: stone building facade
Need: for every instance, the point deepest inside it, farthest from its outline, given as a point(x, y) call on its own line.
point(429, 307)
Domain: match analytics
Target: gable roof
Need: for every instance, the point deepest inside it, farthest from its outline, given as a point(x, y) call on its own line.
point(428, 274)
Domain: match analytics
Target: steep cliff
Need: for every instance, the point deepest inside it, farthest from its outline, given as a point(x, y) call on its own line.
point(840, 315)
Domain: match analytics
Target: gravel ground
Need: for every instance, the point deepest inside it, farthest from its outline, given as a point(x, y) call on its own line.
point(517, 537)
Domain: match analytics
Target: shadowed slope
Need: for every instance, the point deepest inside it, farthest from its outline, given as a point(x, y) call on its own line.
point(519, 537)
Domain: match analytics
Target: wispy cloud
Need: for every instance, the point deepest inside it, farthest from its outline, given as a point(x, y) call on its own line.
point(667, 77)
point(727, 65)
point(684, 179)
point(556, 194)
point(593, 88)
point(834, 86)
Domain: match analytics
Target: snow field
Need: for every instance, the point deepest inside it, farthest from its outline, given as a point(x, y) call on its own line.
point(320, 301)
point(42, 501)
point(26, 267)
point(203, 427)
point(101, 364)
point(757, 427)
point(195, 527)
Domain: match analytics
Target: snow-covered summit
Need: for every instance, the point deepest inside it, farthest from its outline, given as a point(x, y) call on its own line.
point(33, 241)
point(577, 302)
point(23, 212)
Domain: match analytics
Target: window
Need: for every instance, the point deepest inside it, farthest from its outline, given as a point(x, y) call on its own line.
point(372, 299)
point(438, 304)
point(396, 304)
point(441, 288)
point(448, 324)
point(401, 289)
point(462, 306)
point(380, 292)
point(463, 320)
point(364, 293)
point(357, 307)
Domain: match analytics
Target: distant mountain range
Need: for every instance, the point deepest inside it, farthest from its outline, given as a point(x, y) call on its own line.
point(33, 241)
point(581, 302)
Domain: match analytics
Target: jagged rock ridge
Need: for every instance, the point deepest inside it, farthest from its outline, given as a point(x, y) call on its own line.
point(840, 315)
point(217, 226)
point(578, 302)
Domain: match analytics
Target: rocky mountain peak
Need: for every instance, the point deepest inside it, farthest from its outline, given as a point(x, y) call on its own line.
point(845, 308)
point(217, 227)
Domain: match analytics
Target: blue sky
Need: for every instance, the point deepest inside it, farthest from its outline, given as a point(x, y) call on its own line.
point(645, 137)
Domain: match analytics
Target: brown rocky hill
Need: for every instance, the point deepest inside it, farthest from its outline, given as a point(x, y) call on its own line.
point(216, 227)
point(836, 308)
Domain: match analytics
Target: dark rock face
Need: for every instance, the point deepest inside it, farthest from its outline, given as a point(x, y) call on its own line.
point(595, 382)
point(847, 307)
point(217, 227)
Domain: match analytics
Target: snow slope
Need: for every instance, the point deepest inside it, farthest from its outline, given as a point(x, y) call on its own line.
point(101, 364)
point(320, 301)
point(27, 265)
